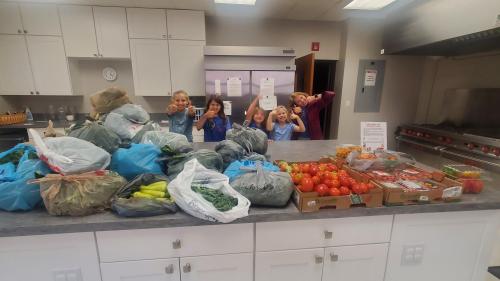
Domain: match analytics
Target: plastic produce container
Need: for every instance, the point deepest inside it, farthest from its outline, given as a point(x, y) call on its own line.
point(463, 171)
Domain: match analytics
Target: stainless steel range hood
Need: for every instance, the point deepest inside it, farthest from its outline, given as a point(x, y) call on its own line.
point(444, 28)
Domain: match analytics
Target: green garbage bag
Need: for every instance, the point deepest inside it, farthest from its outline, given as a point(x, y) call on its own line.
point(97, 134)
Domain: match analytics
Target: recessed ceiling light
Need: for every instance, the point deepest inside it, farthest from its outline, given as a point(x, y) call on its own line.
point(236, 2)
point(368, 4)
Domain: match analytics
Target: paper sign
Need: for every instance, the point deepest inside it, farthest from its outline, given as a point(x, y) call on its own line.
point(267, 86)
point(370, 77)
point(217, 87)
point(373, 136)
point(228, 107)
point(268, 102)
point(234, 87)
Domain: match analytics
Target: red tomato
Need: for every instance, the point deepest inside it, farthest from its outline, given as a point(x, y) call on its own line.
point(295, 168)
point(342, 173)
point(314, 170)
point(322, 167)
point(305, 168)
point(297, 178)
point(344, 181)
point(344, 190)
point(307, 185)
point(353, 181)
point(356, 188)
point(283, 167)
point(332, 167)
point(363, 188)
point(321, 174)
point(335, 184)
point(334, 192)
point(327, 182)
point(306, 175)
point(321, 189)
point(370, 186)
point(329, 175)
point(316, 180)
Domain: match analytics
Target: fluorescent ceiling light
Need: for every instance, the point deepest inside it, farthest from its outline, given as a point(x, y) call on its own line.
point(237, 2)
point(368, 4)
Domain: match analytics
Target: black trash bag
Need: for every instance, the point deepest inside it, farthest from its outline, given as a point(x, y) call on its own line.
point(97, 134)
point(208, 158)
point(229, 151)
point(251, 139)
point(126, 206)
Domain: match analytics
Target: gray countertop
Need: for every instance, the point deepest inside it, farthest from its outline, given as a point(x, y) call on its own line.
point(39, 222)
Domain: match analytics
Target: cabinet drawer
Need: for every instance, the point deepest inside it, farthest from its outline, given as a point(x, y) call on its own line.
point(322, 233)
point(138, 244)
point(150, 270)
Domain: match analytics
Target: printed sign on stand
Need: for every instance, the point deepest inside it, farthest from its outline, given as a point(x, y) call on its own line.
point(373, 136)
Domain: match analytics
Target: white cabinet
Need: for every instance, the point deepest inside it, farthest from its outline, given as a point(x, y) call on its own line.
point(146, 270)
point(10, 19)
point(111, 31)
point(49, 65)
point(294, 265)
point(40, 19)
point(146, 23)
point(186, 63)
point(15, 72)
point(354, 263)
point(150, 67)
point(186, 25)
point(77, 23)
point(217, 268)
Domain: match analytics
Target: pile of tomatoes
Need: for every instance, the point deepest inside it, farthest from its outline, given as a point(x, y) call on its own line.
point(324, 178)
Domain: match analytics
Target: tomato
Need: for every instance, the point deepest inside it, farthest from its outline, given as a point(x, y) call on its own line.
point(305, 168)
point(316, 180)
point(283, 167)
point(343, 173)
point(295, 168)
point(344, 190)
point(321, 189)
point(356, 188)
point(370, 186)
point(335, 184)
point(353, 181)
point(321, 174)
point(297, 178)
point(322, 167)
point(307, 185)
point(363, 188)
point(334, 192)
point(327, 182)
point(332, 167)
point(344, 181)
point(314, 170)
point(329, 175)
point(306, 175)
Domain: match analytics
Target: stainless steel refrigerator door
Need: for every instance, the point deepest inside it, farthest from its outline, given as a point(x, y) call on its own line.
point(284, 84)
point(238, 104)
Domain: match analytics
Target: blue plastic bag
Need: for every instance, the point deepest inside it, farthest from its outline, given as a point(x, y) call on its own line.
point(136, 160)
point(8, 170)
point(237, 168)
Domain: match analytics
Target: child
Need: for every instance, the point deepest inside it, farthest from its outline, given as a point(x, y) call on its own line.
point(255, 116)
point(214, 122)
point(283, 128)
point(181, 115)
point(309, 107)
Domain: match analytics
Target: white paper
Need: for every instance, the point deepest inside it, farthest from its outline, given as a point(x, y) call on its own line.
point(227, 107)
point(217, 87)
point(370, 77)
point(267, 87)
point(373, 135)
point(268, 102)
point(234, 87)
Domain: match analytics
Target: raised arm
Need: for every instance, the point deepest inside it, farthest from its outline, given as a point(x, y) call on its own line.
point(300, 128)
point(203, 119)
point(270, 121)
point(326, 99)
point(171, 109)
point(191, 111)
point(251, 108)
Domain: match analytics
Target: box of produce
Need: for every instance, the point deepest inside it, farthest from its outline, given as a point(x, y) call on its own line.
point(383, 160)
point(409, 172)
point(323, 185)
point(469, 176)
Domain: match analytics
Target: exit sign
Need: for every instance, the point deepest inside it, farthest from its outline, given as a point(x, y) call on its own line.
point(315, 46)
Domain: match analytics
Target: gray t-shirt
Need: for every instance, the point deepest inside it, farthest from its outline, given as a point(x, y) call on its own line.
point(181, 123)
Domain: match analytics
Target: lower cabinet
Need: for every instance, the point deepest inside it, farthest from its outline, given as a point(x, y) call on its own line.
point(146, 270)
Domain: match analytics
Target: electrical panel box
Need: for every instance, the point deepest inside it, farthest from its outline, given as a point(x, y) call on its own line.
point(369, 86)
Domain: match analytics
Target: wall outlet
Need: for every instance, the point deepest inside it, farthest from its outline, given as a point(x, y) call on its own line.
point(412, 254)
point(67, 275)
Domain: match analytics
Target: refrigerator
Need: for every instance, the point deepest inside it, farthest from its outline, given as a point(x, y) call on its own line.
point(216, 82)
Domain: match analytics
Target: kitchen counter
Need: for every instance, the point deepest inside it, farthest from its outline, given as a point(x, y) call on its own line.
point(39, 222)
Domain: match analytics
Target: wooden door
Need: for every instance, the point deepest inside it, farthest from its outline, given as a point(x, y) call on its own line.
point(40, 19)
point(15, 71)
point(217, 268)
point(144, 270)
point(111, 30)
point(294, 265)
point(146, 23)
point(10, 19)
point(77, 23)
point(304, 74)
point(186, 64)
point(186, 25)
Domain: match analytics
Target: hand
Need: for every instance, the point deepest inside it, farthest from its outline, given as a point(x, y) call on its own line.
point(171, 108)
point(191, 109)
point(297, 109)
point(294, 116)
point(273, 113)
point(209, 114)
point(311, 98)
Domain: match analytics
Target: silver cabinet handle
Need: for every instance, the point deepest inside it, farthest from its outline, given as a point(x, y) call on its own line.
point(169, 269)
point(32, 93)
point(334, 257)
point(170, 36)
point(37, 92)
point(19, 31)
point(164, 36)
point(100, 55)
point(186, 268)
point(95, 55)
point(176, 244)
point(328, 234)
point(25, 31)
point(318, 259)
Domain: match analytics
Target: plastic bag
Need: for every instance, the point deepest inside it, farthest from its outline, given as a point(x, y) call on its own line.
point(384, 160)
point(79, 195)
point(208, 158)
point(133, 112)
point(238, 168)
point(148, 127)
point(136, 160)
point(251, 139)
point(10, 159)
point(169, 143)
point(255, 157)
point(107, 100)
point(97, 134)
point(230, 151)
point(68, 155)
point(194, 204)
point(126, 206)
point(121, 126)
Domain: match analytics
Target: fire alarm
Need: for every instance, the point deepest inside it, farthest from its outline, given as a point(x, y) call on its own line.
point(315, 46)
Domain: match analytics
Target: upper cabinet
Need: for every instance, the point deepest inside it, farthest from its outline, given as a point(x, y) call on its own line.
point(186, 63)
point(15, 71)
point(77, 23)
point(10, 19)
point(186, 25)
point(146, 23)
point(111, 31)
point(40, 19)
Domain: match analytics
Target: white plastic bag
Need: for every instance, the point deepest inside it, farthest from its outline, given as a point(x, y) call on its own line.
point(68, 155)
point(194, 204)
point(123, 127)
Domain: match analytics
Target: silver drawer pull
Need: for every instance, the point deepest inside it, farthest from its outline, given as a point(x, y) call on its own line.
point(176, 244)
point(169, 269)
point(328, 234)
point(334, 257)
point(318, 259)
point(186, 268)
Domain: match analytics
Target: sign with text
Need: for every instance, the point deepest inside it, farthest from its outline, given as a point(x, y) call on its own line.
point(373, 136)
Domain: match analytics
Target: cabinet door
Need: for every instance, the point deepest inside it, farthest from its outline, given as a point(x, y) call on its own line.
point(15, 71)
point(353, 263)
point(49, 65)
point(295, 265)
point(186, 63)
point(40, 19)
point(186, 25)
point(150, 67)
point(10, 19)
point(217, 268)
point(147, 23)
point(77, 23)
point(146, 270)
point(111, 30)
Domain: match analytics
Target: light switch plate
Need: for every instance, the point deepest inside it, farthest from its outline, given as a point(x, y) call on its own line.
point(73, 274)
point(412, 254)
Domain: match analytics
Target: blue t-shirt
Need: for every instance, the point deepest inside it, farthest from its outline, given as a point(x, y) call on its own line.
point(181, 123)
point(303, 116)
point(282, 133)
point(215, 129)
